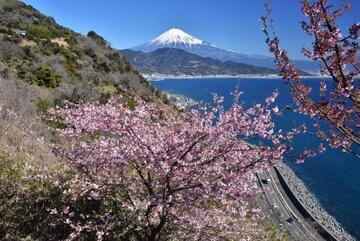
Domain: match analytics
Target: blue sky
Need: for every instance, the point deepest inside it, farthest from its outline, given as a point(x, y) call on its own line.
point(231, 24)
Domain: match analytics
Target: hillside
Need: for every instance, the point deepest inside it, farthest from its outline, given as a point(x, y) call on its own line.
point(38, 54)
point(173, 61)
point(41, 65)
point(85, 170)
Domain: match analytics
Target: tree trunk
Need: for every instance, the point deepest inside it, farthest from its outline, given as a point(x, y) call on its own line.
point(155, 234)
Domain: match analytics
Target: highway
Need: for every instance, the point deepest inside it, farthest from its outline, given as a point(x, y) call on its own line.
point(284, 210)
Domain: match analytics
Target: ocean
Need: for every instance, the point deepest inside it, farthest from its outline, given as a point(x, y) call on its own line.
point(333, 177)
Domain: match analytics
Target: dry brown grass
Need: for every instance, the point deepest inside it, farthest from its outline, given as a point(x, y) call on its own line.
point(61, 42)
point(25, 140)
point(24, 136)
point(27, 43)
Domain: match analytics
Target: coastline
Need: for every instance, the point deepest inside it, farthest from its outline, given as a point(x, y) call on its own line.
point(311, 205)
point(297, 187)
point(180, 102)
point(159, 77)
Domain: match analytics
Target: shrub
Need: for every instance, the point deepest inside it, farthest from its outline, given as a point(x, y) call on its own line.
point(24, 73)
point(39, 31)
point(45, 32)
point(129, 68)
point(10, 50)
point(102, 67)
point(50, 48)
point(90, 52)
point(5, 30)
point(32, 199)
point(9, 5)
point(26, 198)
point(100, 40)
point(12, 38)
point(48, 77)
point(29, 52)
point(131, 103)
point(109, 89)
point(71, 39)
point(70, 66)
point(43, 105)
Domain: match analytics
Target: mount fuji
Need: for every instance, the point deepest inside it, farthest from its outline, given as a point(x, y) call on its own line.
point(173, 38)
point(177, 38)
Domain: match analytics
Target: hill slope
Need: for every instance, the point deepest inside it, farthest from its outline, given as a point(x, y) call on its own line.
point(37, 53)
point(173, 61)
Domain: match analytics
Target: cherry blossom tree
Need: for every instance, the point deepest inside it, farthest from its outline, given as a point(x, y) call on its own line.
point(169, 174)
point(337, 54)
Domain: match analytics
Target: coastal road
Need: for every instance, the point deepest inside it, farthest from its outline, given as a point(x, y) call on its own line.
point(284, 210)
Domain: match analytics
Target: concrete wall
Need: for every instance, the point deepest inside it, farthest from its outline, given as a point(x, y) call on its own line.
point(304, 212)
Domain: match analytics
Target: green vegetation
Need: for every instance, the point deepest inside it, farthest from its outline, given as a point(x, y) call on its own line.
point(48, 77)
point(100, 40)
point(9, 4)
point(35, 184)
point(131, 103)
point(171, 60)
point(44, 76)
point(109, 89)
point(25, 203)
point(45, 32)
point(48, 48)
point(43, 105)
point(36, 55)
point(274, 235)
point(41, 52)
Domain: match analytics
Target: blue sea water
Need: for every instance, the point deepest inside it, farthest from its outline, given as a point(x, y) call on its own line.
point(333, 176)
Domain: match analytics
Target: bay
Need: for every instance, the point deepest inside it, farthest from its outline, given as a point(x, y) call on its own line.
point(333, 176)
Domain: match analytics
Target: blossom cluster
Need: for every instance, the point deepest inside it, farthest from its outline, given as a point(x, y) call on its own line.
point(338, 106)
point(166, 172)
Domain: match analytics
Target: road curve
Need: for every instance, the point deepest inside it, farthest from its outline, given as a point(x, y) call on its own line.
point(284, 210)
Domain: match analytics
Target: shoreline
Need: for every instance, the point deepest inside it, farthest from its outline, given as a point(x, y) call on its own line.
point(159, 77)
point(304, 201)
point(311, 205)
point(307, 200)
point(181, 102)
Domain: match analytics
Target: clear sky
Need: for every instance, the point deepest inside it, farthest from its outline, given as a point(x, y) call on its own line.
point(231, 24)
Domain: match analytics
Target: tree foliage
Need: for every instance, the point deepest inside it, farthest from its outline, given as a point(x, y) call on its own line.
point(99, 39)
point(184, 175)
point(48, 77)
point(339, 106)
point(85, 64)
point(45, 32)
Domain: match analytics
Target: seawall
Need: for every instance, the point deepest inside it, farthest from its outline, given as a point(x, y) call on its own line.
point(309, 207)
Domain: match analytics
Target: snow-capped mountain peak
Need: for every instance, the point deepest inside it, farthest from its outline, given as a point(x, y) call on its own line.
point(175, 37)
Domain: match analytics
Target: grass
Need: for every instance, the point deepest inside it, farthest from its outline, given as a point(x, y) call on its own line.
point(109, 89)
point(276, 234)
point(9, 4)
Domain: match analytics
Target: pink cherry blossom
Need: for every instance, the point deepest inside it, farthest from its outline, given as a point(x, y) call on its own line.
point(187, 173)
point(334, 50)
